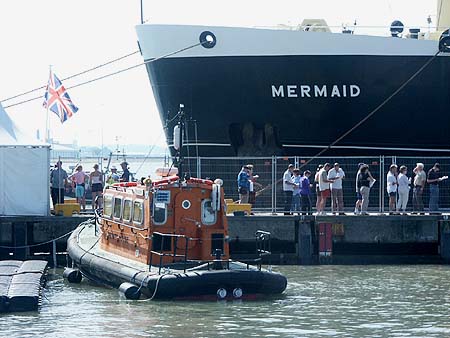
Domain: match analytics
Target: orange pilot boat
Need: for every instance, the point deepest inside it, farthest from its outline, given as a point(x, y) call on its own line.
point(168, 240)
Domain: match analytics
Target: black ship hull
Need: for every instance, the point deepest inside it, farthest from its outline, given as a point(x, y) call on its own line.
point(263, 105)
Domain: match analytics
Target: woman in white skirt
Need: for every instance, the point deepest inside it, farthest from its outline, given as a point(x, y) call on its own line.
point(403, 190)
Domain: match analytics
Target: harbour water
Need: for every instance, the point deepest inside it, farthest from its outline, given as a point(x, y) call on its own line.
point(320, 301)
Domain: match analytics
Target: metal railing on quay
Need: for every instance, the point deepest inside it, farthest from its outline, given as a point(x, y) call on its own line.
point(270, 170)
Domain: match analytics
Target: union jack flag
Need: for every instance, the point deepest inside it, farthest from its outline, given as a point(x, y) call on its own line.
point(58, 100)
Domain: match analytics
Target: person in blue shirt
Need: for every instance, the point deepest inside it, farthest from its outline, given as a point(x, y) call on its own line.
point(305, 193)
point(126, 173)
point(243, 181)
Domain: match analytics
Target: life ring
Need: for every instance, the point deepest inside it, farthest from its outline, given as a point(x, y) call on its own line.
point(167, 180)
point(200, 181)
point(125, 184)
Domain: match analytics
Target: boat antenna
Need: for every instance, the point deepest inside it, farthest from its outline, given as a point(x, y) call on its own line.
point(142, 12)
point(178, 131)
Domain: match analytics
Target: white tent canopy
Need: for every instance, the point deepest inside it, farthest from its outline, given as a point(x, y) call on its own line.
point(24, 171)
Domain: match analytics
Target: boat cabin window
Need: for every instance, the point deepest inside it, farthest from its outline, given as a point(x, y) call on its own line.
point(159, 213)
point(107, 205)
point(160, 201)
point(126, 213)
point(117, 207)
point(138, 212)
point(208, 214)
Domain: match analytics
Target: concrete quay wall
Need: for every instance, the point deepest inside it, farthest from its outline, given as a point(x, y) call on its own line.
point(295, 239)
point(351, 239)
point(22, 236)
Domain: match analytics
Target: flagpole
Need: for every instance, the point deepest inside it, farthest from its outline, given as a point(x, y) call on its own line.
point(47, 122)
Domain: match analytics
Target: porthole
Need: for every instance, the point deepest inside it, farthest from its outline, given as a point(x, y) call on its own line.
point(186, 204)
point(208, 39)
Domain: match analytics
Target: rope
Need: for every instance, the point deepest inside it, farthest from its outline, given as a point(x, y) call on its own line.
point(154, 291)
point(156, 287)
point(78, 240)
point(149, 152)
point(43, 243)
point(72, 76)
point(36, 245)
point(114, 73)
point(373, 112)
point(368, 116)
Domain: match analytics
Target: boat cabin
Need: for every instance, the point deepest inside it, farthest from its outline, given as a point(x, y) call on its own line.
point(165, 222)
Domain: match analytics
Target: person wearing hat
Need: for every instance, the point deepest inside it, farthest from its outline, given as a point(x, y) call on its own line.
point(288, 189)
point(243, 182)
point(391, 187)
point(96, 182)
point(113, 177)
point(126, 173)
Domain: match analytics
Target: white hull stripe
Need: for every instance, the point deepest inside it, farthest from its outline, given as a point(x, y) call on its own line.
point(157, 40)
point(366, 148)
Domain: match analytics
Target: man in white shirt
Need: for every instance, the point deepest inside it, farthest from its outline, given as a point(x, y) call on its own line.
point(336, 175)
point(288, 189)
point(391, 186)
point(324, 188)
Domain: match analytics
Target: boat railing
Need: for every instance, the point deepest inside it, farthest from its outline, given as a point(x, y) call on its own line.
point(160, 251)
point(263, 248)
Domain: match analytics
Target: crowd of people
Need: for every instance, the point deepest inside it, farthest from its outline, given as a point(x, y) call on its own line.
point(399, 186)
point(327, 183)
point(61, 183)
point(329, 180)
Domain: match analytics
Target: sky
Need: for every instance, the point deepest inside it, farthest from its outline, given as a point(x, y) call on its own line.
point(72, 36)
